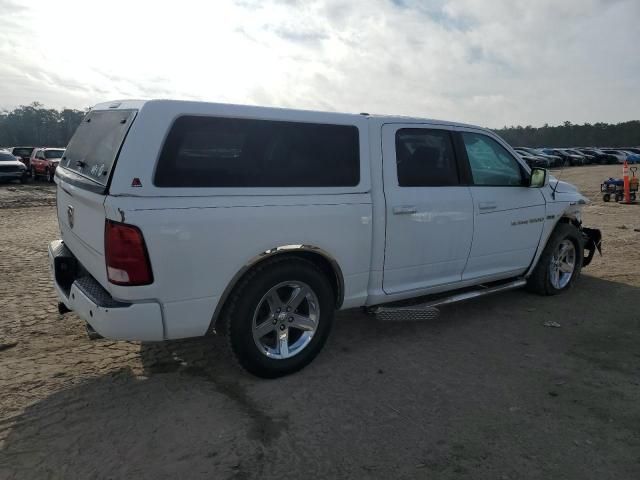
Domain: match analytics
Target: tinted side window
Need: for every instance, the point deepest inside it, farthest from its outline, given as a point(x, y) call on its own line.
point(490, 162)
point(227, 152)
point(425, 158)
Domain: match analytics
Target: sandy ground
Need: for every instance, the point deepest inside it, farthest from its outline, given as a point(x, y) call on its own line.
point(484, 392)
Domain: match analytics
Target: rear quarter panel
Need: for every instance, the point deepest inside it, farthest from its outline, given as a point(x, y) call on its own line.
point(198, 244)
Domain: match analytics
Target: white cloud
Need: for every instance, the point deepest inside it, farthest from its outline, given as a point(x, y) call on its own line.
point(489, 63)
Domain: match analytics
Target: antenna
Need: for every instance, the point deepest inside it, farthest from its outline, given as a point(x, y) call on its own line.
point(555, 187)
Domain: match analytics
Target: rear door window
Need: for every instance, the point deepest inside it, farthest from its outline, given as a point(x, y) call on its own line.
point(95, 145)
point(231, 152)
point(425, 158)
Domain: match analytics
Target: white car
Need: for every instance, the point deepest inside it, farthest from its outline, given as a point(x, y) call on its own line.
point(181, 219)
point(11, 168)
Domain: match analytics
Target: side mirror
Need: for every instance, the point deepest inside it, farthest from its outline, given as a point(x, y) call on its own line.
point(539, 178)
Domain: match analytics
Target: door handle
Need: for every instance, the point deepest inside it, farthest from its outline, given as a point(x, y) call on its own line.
point(487, 205)
point(405, 210)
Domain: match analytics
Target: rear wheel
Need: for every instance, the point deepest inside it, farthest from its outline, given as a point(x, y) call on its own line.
point(560, 262)
point(279, 317)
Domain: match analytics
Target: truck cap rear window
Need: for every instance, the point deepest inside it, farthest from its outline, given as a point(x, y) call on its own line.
point(95, 145)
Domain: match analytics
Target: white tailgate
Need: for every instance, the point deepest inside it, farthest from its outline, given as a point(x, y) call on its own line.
point(81, 220)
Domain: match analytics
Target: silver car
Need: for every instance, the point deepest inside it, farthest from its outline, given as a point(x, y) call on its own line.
point(11, 168)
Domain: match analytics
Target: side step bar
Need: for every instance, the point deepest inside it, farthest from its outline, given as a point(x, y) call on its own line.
point(429, 311)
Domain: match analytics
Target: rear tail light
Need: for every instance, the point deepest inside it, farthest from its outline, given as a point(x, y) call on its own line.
point(126, 255)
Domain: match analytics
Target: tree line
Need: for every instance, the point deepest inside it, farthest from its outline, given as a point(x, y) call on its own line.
point(35, 125)
point(624, 134)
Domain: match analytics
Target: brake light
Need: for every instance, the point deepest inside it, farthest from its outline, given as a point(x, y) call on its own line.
point(126, 255)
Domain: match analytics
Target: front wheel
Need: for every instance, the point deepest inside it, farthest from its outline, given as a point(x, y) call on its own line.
point(49, 175)
point(33, 174)
point(279, 317)
point(560, 262)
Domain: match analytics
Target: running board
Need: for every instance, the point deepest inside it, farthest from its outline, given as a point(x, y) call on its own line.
point(429, 311)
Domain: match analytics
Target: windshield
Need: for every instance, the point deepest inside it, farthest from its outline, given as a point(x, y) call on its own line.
point(96, 143)
point(53, 153)
point(23, 151)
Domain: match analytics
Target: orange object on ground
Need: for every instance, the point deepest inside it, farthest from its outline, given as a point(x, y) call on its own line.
point(625, 178)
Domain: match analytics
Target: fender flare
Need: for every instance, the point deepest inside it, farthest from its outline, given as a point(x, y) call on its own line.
point(296, 250)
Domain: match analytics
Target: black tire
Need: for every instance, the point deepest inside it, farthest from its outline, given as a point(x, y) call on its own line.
point(49, 175)
point(237, 321)
point(606, 197)
point(540, 280)
point(34, 175)
point(619, 197)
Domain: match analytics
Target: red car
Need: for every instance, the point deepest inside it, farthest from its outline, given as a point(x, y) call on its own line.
point(44, 162)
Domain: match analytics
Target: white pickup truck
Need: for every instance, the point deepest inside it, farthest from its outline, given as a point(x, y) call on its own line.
point(179, 219)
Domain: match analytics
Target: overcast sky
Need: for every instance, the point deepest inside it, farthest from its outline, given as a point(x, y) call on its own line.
point(491, 63)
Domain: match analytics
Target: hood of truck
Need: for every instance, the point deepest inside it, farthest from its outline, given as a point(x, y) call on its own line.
point(566, 192)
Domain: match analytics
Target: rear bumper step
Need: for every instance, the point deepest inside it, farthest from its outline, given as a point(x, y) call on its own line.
point(81, 293)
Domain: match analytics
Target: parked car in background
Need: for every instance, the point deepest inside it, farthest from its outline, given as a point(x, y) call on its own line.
point(632, 157)
point(622, 155)
point(587, 158)
point(24, 154)
point(632, 150)
point(554, 160)
point(44, 162)
point(11, 167)
point(567, 158)
point(598, 155)
point(533, 160)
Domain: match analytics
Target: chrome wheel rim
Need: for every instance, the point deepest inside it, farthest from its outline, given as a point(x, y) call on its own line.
point(285, 320)
point(563, 264)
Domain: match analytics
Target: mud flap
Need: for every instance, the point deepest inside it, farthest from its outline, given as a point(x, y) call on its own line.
point(592, 242)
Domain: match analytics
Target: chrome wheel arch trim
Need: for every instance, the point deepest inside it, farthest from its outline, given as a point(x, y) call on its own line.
point(272, 252)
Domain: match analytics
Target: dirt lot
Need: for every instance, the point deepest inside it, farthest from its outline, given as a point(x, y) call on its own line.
point(486, 391)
